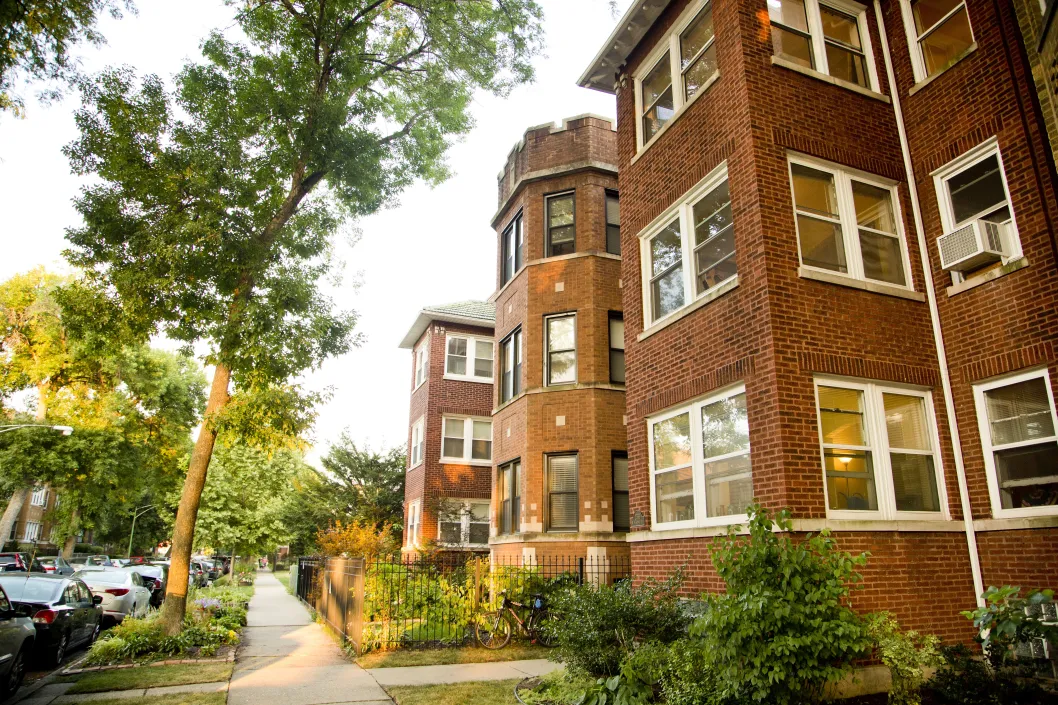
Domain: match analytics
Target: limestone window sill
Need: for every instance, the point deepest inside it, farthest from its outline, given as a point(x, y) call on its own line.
point(825, 78)
point(863, 285)
point(974, 282)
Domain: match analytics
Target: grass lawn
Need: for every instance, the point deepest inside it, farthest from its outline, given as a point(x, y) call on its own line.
point(180, 699)
point(283, 576)
point(436, 657)
point(152, 677)
point(491, 693)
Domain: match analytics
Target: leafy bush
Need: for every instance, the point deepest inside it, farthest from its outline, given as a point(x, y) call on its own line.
point(905, 654)
point(963, 679)
point(357, 539)
point(600, 626)
point(134, 640)
point(1007, 620)
point(783, 628)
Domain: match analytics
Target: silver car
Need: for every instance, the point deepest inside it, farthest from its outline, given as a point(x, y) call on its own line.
point(123, 592)
point(16, 644)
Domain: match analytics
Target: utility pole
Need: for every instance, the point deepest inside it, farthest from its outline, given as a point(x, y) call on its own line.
point(138, 511)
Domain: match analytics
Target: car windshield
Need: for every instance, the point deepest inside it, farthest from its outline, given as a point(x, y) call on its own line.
point(104, 577)
point(7, 560)
point(145, 570)
point(31, 589)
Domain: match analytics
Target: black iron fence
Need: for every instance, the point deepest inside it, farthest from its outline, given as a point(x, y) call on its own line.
point(429, 600)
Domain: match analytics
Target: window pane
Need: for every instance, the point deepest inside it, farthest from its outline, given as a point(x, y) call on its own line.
point(560, 211)
point(560, 333)
point(976, 190)
point(850, 479)
point(562, 241)
point(482, 359)
point(906, 422)
point(728, 486)
point(562, 473)
point(481, 448)
point(613, 239)
point(1028, 476)
point(613, 209)
point(617, 333)
point(814, 191)
point(821, 244)
point(658, 115)
point(613, 224)
point(453, 438)
point(562, 368)
point(841, 416)
point(620, 474)
point(672, 442)
point(789, 12)
point(451, 532)
point(666, 248)
point(457, 352)
point(657, 98)
point(928, 12)
point(725, 428)
point(714, 239)
point(874, 207)
point(840, 27)
point(666, 253)
point(915, 483)
point(562, 489)
point(479, 532)
point(696, 36)
point(617, 366)
point(1019, 412)
point(882, 258)
point(700, 72)
point(792, 47)
point(674, 492)
point(946, 43)
point(847, 65)
point(453, 447)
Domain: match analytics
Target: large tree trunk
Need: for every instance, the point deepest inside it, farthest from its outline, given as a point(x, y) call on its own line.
point(71, 539)
point(18, 498)
point(187, 514)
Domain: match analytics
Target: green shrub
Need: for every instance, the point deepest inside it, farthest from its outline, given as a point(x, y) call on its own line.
point(134, 640)
point(963, 679)
point(905, 654)
point(1007, 619)
point(598, 627)
point(783, 628)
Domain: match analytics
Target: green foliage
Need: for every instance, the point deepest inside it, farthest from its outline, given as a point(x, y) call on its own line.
point(600, 626)
point(1008, 619)
point(905, 654)
point(963, 679)
point(783, 628)
point(557, 688)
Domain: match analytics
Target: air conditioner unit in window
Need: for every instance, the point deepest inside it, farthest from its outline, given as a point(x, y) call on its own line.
point(973, 245)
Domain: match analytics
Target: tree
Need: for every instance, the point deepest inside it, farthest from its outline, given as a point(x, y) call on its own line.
point(36, 37)
point(214, 208)
point(368, 486)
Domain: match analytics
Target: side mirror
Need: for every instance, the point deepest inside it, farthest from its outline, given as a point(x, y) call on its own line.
point(97, 599)
point(22, 611)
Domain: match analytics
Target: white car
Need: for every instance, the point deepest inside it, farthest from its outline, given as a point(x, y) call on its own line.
point(123, 592)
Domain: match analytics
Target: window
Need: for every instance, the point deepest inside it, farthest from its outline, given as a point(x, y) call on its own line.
point(464, 523)
point(561, 225)
point(692, 252)
point(513, 248)
point(422, 355)
point(32, 531)
point(686, 60)
point(414, 523)
point(938, 32)
point(617, 348)
point(621, 516)
point(974, 187)
point(1019, 439)
point(830, 37)
point(613, 223)
point(700, 471)
point(466, 440)
point(39, 498)
point(561, 349)
point(417, 442)
point(848, 223)
point(511, 356)
point(469, 358)
point(879, 450)
point(562, 498)
point(509, 496)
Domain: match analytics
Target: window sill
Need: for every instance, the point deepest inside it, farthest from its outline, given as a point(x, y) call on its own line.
point(974, 282)
point(706, 298)
point(873, 287)
point(820, 76)
point(930, 79)
point(419, 385)
point(415, 466)
point(1008, 523)
point(463, 461)
point(676, 116)
point(939, 524)
point(459, 378)
point(507, 403)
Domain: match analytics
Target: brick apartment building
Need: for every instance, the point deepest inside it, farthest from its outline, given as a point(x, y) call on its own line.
point(31, 527)
point(560, 481)
point(1039, 27)
point(790, 173)
point(448, 486)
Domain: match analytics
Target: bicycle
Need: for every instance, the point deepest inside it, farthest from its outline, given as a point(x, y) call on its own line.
point(494, 629)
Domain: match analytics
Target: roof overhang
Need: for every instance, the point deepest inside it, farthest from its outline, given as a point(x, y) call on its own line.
point(640, 17)
point(425, 318)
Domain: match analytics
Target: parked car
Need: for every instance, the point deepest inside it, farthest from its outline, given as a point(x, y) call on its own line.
point(16, 645)
point(19, 563)
point(64, 612)
point(154, 578)
point(123, 593)
point(119, 562)
point(197, 575)
point(56, 565)
point(100, 561)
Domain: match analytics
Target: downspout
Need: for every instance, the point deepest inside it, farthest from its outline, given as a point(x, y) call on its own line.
point(934, 313)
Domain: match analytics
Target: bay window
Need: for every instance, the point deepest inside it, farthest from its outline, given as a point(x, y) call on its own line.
point(422, 358)
point(508, 496)
point(466, 440)
point(561, 336)
point(563, 512)
point(617, 348)
point(561, 225)
point(511, 359)
point(469, 358)
point(513, 244)
point(620, 509)
point(417, 442)
point(411, 537)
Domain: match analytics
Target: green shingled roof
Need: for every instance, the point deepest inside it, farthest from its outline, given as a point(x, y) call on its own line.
point(481, 313)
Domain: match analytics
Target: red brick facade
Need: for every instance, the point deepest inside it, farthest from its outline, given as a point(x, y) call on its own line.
point(782, 326)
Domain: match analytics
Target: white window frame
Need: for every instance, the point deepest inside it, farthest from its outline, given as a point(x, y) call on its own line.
point(941, 176)
point(418, 443)
point(464, 520)
point(414, 524)
point(468, 439)
point(422, 363)
point(472, 351)
point(39, 497)
point(843, 178)
point(818, 41)
point(683, 210)
point(671, 44)
point(986, 440)
point(547, 350)
point(918, 64)
point(31, 531)
point(694, 409)
point(878, 440)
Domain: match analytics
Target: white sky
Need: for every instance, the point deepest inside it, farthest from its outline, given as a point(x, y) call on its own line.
point(435, 247)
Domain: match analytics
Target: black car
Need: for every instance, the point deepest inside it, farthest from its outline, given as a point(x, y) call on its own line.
point(19, 563)
point(63, 610)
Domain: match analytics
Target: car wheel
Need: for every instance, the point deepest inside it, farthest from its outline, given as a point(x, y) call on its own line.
point(95, 632)
point(60, 649)
point(17, 672)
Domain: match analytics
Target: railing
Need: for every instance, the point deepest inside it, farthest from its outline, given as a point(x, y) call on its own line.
point(334, 587)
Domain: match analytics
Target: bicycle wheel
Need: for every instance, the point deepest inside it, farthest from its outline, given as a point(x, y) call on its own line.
point(538, 628)
point(493, 630)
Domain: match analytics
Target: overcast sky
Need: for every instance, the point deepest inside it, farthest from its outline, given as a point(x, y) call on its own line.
point(435, 247)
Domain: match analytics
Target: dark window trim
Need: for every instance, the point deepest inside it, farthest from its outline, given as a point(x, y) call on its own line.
point(519, 252)
point(516, 365)
point(614, 455)
point(547, 349)
point(547, 492)
point(512, 522)
point(607, 193)
point(611, 316)
point(572, 193)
